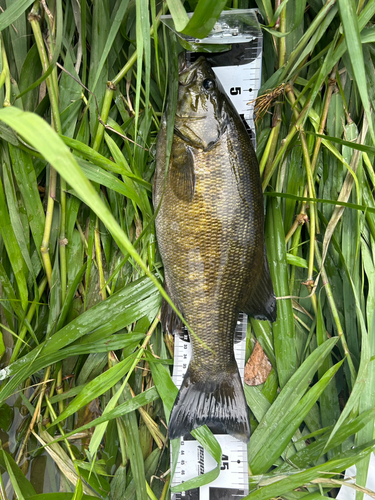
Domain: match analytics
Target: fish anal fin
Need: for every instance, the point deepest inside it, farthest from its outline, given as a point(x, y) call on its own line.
point(262, 302)
point(169, 320)
point(218, 401)
point(182, 175)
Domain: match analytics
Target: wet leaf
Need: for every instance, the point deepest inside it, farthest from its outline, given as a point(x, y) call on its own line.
point(258, 367)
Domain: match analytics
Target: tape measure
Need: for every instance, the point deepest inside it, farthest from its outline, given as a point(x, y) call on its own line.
point(239, 71)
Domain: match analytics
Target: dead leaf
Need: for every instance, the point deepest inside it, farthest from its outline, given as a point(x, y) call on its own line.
point(258, 367)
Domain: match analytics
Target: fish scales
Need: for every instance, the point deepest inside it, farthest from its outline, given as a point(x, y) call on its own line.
point(211, 239)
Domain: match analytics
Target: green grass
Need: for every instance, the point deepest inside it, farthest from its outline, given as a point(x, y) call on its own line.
point(85, 369)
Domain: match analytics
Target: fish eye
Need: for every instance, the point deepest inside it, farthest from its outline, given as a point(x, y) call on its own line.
point(208, 84)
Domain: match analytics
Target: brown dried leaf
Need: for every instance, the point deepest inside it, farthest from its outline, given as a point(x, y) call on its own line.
point(258, 367)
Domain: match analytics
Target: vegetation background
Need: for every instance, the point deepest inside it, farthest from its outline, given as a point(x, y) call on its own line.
point(85, 369)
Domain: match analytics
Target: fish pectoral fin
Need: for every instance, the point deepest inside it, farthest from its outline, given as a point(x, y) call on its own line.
point(262, 302)
point(216, 401)
point(182, 175)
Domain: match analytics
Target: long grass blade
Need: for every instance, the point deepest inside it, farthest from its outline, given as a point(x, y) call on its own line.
point(352, 34)
point(13, 12)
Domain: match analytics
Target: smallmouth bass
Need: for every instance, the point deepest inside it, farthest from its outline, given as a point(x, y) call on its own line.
point(210, 233)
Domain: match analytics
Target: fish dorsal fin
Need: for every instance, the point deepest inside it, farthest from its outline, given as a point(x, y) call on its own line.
point(262, 302)
point(182, 175)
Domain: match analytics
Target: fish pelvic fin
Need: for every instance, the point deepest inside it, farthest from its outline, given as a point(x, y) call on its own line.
point(218, 402)
point(262, 303)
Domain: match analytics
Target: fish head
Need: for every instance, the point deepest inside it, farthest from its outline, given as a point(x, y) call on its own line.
point(201, 115)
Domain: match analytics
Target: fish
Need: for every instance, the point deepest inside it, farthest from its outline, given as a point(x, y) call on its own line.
point(210, 234)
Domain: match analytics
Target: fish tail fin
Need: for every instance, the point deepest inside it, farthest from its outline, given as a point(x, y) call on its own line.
point(218, 402)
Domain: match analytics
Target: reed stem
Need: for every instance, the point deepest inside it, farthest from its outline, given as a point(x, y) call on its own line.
point(52, 87)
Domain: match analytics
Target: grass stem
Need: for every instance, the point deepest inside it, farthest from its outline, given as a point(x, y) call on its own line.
point(60, 388)
point(284, 146)
point(52, 87)
point(323, 119)
point(36, 414)
point(3, 495)
point(34, 20)
point(5, 75)
point(268, 156)
point(98, 252)
point(163, 495)
point(44, 249)
point(151, 425)
point(150, 493)
point(272, 141)
point(310, 182)
point(66, 441)
point(29, 318)
point(282, 40)
point(295, 231)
